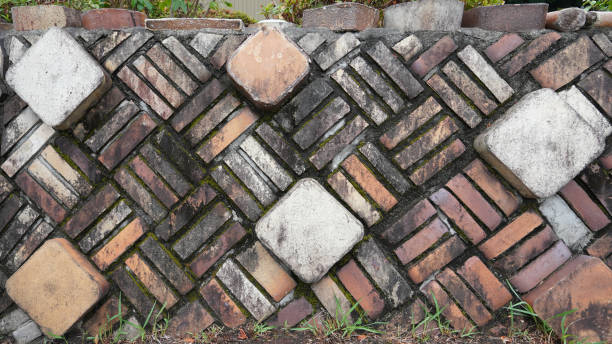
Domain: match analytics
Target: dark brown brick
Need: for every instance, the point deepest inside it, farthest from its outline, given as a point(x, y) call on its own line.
point(601, 247)
point(454, 101)
point(469, 87)
point(507, 201)
point(195, 107)
point(503, 47)
point(237, 194)
point(307, 135)
point(479, 277)
point(530, 52)
point(28, 245)
point(211, 254)
point(110, 42)
point(438, 162)
point(11, 108)
point(166, 263)
point(132, 291)
point(567, 64)
point(191, 319)
point(202, 230)
point(18, 227)
point(592, 215)
point(406, 126)
point(183, 160)
point(211, 119)
point(528, 250)
point(534, 272)
point(292, 314)
point(433, 56)
point(149, 177)
point(511, 234)
point(369, 183)
point(166, 170)
point(337, 143)
point(449, 309)
point(468, 194)
point(457, 213)
point(305, 102)
point(598, 85)
point(362, 290)
point(598, 181)
point(90, 211)
point(282, 148)
point(134, 134)
point(9, 209)
point(140, 195)
point(41, 197)
point(103, 319)
point(162, 59)
point(145, 93)
point(226, 49)
point(159, 81)
point(221, 303)
point(395, 69)
point(99, 113)
point(436, 259)
point(410, 221)
point(468, 301)
point(421, 241)
point(384, 167)
point(79, 158)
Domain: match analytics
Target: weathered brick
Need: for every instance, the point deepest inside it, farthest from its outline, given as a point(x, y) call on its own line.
point(565, 223)
point(454, 101)
point(247, 174)
point(42, 289)
point(369, 183)
point(597, 85)
point(395, 69)
point(337, 143)
point(110, 42)
point(485, 73)
point(11, 108)
point(41, 197)
point(603, 42)
point(359, 95)
point(341, 17)
point(408, 47)
point(468, 194)
point(307, 135)
point(409, 221)
point(8, 209)
point(190, 61)
point(132, 291)
point(29, 244)
point(183, 160)
point(52, 183)
point(222, 304)
point(337, 50)
point(105, 226)
point(43, 17)
point(438, 162)
point(534, 272)
point(380, 86)
point(292, 314)
point(27, 149)
point(159, 82)
point(266, 162)
point(506, 200)
point(99, 113)
point(102, 319)
point(406, 126)
point(202, 230)
point(145, 93)
point(204, 43)
point(183, 214)
point(266, 271)
point(17, 128)
point(362, 290)
point(140, 195)
point(18, 227)
point(121, 116)
point(194, 24)
point(530, 52)
point(166, 263)
point(127, 49)
point(133, 135)
point(112, 19)
point(503, 47)
point(119, 244)
point(433, 56)
point(450, 311)
point(470, 303)
point(528, 250)
point(353, 198)
point(436, 259)
point(385, 167)
point(237, 194)
point(479, 277)
point(211, 254)
point(567, 64)
point(226, 49)
point(598, 182)
point(601, 247)
point(227, 134)
point(426, 143)
point(5, 189)
point(90, 211)
point(162, 59)
point(332, 298)
point(79, 158)
point(469, 88)
point(192, 318)
point(303, 104)
point(592, 215)
point(151, 280)
point(310, 42)
point(421, 241)
point(163, 193)
point(66, 171)
point(212, 118)
point(176, 181)
point(289, 155)
point(511, 234)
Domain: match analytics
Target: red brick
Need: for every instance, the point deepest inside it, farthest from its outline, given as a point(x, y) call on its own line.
point(89, 212)
point(79, 158)
point(408, 124)
point(194, 108)
point(342, 17)
point(194, 24)
point(144, 92)
point(119, 149)
point(467, 300)
point(454, 101)
point(99, 322)
point(362, 290)
point(369, 183)
point(190, 320)
point(292, 314)
point(433, 56)
point(469, 87)
point(41, 197)
point(167, 265)
point(528, 250)
point(421, 241)
point(222, 304)
point(534, 272)
point(507, 201)
point(511, 234)
point(468, 194)
point(153, 182)
point(530, 52)
point(211, 119)
point(159, 81)
point(236, 193)
point(457, 213)
point(479, 277)
point(601, 247)
point(503, 47)
point(449, 309)
point(598, 85)
point(151, 280)
point(112, 19)
point(438, 162)
point(584, 206)
point(436, 259)
point(227, 134)
point(119, 244)
point(410, 221)
point(216, 250)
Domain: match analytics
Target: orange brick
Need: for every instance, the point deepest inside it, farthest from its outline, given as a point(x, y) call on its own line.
point(468, 301)
point(151, 280)
point(507, 201)
point(421, 241)
point(451, 312)
point(369, 183)
point(362, 290)
point(231, 131)
point(436, 259)
point(511, 234)
point(99, 321)
point(119, 244)
point(485, 283)
point(457, 213)
point(468, 194)
point(221, 303)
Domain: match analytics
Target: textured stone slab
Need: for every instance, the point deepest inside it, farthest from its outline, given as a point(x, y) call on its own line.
point(509, 18)
point(112, 19)
point(194, 24)
point(61, 97)
point(443, 15)
point(56, 286)
point(348, 16)
point(525, 145)
point(43, 17)
point(565, 223)
point(309, 230)
point(268, 67)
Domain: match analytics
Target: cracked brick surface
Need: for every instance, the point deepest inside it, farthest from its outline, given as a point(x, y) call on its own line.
point(162, 182)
